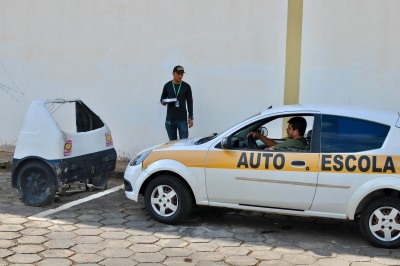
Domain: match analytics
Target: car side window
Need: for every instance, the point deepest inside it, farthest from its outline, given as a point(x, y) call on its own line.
point(344, 134)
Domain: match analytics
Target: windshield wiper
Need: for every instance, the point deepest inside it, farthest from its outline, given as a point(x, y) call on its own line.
point(204, 140)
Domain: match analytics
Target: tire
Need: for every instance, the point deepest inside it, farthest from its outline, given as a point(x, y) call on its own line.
point(100, 181)
point(380, 222)
point(168, 199)
point(36, 184)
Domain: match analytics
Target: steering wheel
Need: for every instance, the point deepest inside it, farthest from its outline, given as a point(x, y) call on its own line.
point(251, 142)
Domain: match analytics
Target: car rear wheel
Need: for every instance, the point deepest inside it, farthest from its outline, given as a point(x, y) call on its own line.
point(380, 222)
point(36, 184)
point(100, 181)
point(168, 199)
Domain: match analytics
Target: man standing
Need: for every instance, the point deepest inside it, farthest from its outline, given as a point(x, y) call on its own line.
point(176, 94)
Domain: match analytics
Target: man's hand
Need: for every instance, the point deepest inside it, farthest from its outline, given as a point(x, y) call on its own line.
point(254, 134)
point(190, 122)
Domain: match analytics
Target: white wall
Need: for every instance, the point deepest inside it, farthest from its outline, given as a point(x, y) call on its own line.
point(116, 55)
point(350, 53)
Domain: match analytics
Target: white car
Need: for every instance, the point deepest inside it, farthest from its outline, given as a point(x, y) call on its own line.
point(61, 142)
point(348, 170)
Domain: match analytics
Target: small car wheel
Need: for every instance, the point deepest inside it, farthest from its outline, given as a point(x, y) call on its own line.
point(168, 199)
point(380, 222)
point(100, 181)
point(36, 184)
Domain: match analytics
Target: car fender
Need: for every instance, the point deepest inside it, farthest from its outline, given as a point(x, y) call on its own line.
point(194, 176)
point(387, 182)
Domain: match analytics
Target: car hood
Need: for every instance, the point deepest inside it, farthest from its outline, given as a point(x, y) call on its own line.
point(177, 144)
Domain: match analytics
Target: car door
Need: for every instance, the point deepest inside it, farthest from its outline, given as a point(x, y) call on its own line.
point(277, 179)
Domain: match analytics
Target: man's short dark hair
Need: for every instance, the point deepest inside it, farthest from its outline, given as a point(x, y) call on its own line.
point(298, 123)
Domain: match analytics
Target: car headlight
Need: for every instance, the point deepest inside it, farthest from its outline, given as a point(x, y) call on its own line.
point(140, 158)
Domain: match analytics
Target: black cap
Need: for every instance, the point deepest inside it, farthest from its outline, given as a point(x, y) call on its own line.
point(179, 70)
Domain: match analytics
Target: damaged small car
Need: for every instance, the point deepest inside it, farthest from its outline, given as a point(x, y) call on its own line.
point(61, 142)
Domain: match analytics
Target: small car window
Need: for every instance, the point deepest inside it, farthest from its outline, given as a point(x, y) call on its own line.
point(344, 134)
point(74, 116)
point(275, 129)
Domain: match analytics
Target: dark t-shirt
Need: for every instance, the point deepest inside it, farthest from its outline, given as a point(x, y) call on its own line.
point(184, 96)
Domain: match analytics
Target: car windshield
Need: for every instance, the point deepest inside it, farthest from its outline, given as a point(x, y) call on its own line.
point(214, 135)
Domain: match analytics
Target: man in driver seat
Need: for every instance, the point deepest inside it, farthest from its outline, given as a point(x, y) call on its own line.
point(295, 131)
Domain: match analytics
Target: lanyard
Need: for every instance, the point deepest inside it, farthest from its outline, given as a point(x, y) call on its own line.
point(179, 89)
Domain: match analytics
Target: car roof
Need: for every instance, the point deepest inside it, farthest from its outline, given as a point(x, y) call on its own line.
point(372, 114)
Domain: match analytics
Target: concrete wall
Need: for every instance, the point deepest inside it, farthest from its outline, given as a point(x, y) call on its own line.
point(116, 55)
point(350, 53)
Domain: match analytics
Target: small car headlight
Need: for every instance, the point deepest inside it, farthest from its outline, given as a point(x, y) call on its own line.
point(139, 158)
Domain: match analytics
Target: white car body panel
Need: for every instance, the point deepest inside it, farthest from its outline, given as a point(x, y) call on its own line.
point(294, 190)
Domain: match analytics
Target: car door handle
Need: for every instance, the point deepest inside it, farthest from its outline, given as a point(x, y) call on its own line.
point(298, 163)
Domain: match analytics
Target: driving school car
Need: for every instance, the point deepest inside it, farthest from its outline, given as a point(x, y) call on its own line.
point(61, 142)
point(348, 170)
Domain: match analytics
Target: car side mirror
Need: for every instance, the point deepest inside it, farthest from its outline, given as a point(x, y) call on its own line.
point(226, 143)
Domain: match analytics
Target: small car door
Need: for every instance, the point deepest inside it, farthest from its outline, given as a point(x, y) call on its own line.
point(263, 178)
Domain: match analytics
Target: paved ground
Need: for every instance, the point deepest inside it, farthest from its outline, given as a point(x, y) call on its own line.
point(112, 230)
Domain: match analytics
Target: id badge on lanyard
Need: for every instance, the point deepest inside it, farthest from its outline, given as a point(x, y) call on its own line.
point(176, 93)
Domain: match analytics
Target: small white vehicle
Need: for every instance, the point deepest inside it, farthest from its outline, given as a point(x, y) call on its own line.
point(48, 159)
point(350, 170)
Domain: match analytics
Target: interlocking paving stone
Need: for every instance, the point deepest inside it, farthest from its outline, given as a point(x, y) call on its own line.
point(116, 253)
point(241, 260)
point(234, 250)
point(88, 232)
point(275, 263)
point(172, 243)
point(167, 235)
point(385, 261)
point(333, 262)
point(10, 227)
point(87, 258)
point(88, 239)
point(7, 243)
point(32, 239)
point(139, 232)
point(289, 249)
point(146, 248)
point(227, 242)
point(62, 228)
point(57, 253)
point(55, 261)
point(209, 256)
point(24, 258)
point(118, 261)
point(117, 243)
point(203, 246)
point(35, 231)
point(60, 243)
point(61, 235)
point(266, 255)
point(353, 257)
point(149, 257)
point(143, 239)
point(9, 235)
point(5, 252)
point(114, 235)
point(176, 252)
point(27, 249)
point(299, 259)
point(14, 220)
point(180, 261)
point(43, 224)
point(87, 248)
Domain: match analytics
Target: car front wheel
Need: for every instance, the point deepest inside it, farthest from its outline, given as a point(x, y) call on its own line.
point(380, 222)
point(168, 199)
